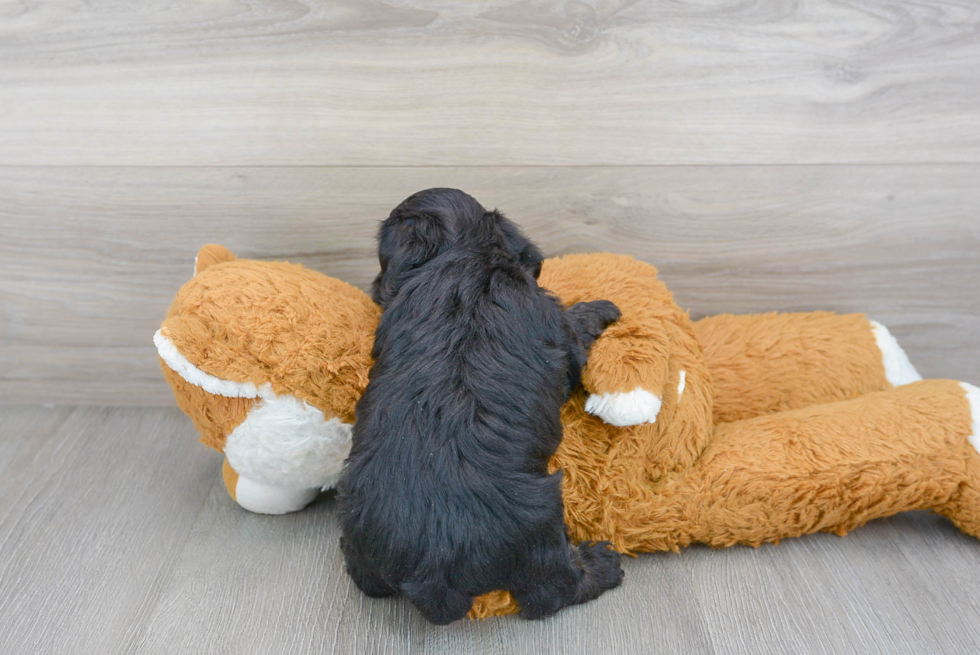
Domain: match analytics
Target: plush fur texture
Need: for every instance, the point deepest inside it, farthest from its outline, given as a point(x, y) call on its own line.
point(193, 375)
point(787, 423)
point(258, 323)
point(288, 442)
point(622, 408)
point(283, 441)
point(755, 361)
point(446, 494)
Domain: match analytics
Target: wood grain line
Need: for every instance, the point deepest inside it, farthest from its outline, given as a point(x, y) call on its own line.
point(606, 82)
point(91, 258)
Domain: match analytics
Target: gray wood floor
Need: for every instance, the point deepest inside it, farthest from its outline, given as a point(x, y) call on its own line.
point(116, 536)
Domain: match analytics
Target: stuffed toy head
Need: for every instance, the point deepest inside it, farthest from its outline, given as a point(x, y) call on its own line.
point(269, 359)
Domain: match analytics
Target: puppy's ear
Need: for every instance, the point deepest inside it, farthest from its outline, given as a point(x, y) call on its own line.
point(406, 240)
point(519, 246)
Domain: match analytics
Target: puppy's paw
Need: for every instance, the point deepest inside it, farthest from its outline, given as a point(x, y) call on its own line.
point(591, 318)
point(370, 585)
point(540, 603)
point(625, 408)
point(605, 312)
point(602, 565)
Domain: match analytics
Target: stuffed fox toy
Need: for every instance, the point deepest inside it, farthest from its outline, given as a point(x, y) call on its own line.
point(728, 430)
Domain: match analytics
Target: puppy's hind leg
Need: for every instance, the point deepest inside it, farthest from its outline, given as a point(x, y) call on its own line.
point(437, 601)
point(570, 575)
point(601, 565)
point(364, 576)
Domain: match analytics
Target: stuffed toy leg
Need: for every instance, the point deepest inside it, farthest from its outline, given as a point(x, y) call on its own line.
point(829, 467)
point(761, 364)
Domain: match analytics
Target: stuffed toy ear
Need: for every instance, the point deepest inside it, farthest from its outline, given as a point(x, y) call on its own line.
point(210, 255)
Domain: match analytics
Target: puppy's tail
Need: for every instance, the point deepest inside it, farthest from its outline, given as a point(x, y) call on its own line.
point(438, 602)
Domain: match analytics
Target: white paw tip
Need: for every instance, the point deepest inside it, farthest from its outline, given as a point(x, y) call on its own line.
point(269, 499)
point(898, 368)
point(624, 408)
point(973, 397)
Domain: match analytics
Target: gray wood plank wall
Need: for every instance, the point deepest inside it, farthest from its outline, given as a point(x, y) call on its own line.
point(766, 156)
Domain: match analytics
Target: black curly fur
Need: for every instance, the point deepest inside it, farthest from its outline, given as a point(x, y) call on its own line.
point(446, 493)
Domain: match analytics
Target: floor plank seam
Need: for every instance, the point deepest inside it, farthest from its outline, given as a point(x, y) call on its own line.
point(163, 577)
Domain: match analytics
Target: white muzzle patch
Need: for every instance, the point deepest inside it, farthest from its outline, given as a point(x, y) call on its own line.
point(286, 442)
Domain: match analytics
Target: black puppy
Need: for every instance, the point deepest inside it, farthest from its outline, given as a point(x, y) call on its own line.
point(446, 493)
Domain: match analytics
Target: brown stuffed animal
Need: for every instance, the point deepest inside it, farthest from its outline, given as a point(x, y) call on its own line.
point(732, 429)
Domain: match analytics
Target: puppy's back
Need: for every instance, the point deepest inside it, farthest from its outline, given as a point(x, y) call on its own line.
point(458, 422)
point(446, 494)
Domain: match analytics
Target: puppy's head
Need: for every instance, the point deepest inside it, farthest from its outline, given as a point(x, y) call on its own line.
point(429, 222)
